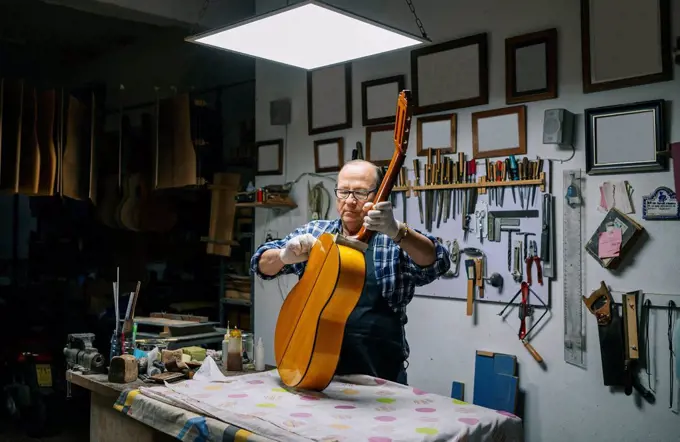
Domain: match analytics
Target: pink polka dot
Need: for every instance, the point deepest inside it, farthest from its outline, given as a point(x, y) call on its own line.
point(419, 392)
point(309, 398)
point(505, 413)
point(238, 396)
point(468, 420)
point(301, 415)
point(426, 410)
point(256, 382)
point(345, 407)
point(379, 439)
point(385, 418)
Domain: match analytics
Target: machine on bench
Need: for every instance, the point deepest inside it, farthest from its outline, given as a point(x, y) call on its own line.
point(81, 356)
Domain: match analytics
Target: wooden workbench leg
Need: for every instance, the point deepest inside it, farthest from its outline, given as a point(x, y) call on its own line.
point(109, 425)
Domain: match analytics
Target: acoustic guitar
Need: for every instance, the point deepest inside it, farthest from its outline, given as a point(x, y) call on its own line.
point(311, 323)
point(47, 106)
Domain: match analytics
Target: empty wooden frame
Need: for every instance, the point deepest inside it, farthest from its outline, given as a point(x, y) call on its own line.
point(269, 157)
point(450, 75)
point(626, 138)
point(615, 54)
point(329, 99)
point(380, 144)
point(329, 155)
point(436, 132)
point(531, 67)
point(499, 132)
point(379, 99)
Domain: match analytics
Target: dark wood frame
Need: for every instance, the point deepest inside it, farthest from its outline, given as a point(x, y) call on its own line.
point(452, 117)
point(521, 121)
point(547, 37)
point(369, 133)
point(483, 98)
point(661, 162)
point(401, 85)
point(278, 171)
point(666, 73)
point(348, 104)
point(341, 154)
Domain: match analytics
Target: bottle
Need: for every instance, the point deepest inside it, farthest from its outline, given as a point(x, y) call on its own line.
point(259, 355)
point(225, 350)
point(235, 351)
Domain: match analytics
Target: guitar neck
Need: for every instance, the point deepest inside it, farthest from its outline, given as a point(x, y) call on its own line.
point(402, 129)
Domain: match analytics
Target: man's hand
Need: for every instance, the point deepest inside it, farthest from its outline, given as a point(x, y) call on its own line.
point(297, 249)
point(380, 218)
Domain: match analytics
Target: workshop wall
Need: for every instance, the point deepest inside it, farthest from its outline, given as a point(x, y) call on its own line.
point(562, 403)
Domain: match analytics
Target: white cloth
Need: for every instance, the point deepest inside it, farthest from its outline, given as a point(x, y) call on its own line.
point(297, 249)
point(380, 218)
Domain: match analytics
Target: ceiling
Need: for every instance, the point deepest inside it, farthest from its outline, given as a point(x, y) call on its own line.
point(57, 34)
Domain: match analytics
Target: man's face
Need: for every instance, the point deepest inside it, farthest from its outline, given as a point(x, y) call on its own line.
point(356, 177)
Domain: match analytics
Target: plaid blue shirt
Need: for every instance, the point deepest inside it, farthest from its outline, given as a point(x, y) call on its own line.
point(395, 271)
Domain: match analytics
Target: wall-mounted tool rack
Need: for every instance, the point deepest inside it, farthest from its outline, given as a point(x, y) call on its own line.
point(482, 184)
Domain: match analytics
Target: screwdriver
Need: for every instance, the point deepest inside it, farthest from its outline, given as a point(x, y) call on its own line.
point(500, 172)
point(513, 174)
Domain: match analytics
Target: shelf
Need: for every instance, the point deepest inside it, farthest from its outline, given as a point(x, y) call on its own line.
point(231, 301)
point(281, 205)
point(484, 184)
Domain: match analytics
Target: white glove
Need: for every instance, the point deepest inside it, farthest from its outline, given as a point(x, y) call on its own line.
point(297, 249)
point(380, 218)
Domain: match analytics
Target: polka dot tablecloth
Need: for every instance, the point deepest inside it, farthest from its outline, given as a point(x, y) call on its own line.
point(352, 408)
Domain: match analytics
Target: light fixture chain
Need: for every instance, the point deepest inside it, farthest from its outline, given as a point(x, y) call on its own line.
point(201, 14)
point(418, 22)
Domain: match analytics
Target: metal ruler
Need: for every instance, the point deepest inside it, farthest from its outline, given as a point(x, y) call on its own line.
point(573, 275)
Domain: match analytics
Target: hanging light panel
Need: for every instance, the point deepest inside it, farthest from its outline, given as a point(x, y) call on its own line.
point(309, 34)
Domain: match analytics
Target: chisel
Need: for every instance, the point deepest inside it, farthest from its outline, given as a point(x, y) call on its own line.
point(470, 269)
point(537, 174)
point(403, 178)
point(500, 176)
point(440, 193)
point(416, 171)
point(527, 175)
point(461, 179)
point(513, 174)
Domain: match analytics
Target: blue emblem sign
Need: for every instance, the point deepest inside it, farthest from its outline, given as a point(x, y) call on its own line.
point(660, 205)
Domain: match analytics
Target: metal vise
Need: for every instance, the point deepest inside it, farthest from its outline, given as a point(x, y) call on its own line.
point(81, 355)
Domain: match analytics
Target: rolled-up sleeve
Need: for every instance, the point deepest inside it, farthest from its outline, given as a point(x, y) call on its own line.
point(288, 269)
point(427, 274)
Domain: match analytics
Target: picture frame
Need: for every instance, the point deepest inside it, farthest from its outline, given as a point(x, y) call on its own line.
point(626, 138)
point(437, 132)
point(329, 99)
point(378, 99)
point(269, 157)
point(612, 59)
point(329, 155)
point(499, 132)
point(465, 60)
point(531, 67)
point(380, 144)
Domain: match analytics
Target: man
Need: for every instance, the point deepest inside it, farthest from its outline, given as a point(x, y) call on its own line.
point(397, 260)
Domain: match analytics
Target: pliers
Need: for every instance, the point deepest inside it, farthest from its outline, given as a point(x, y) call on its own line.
point(532, 256)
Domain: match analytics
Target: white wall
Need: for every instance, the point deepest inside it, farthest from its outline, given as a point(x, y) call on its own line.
point(563, 403)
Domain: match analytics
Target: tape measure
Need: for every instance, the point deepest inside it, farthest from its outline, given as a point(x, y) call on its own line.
point(573, 277)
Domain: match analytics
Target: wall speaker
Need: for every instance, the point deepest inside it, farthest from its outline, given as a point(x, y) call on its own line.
point(558, 127)
point(279, 112)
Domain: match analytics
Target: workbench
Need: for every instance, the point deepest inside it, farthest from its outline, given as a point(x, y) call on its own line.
point(109, 425)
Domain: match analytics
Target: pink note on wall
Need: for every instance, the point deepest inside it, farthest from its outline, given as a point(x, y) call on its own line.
point(609, 244)
point(675, 152)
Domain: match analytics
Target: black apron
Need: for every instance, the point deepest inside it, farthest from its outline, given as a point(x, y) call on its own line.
point(373, 342)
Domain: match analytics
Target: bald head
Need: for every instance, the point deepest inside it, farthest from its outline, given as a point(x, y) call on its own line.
point(362, 166)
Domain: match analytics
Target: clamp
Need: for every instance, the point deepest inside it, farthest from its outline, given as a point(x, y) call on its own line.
point(533, 257)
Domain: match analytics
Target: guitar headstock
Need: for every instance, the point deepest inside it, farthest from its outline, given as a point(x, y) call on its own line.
point(402, 124)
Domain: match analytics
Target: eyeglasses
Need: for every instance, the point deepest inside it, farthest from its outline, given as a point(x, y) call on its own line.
point(359, 195)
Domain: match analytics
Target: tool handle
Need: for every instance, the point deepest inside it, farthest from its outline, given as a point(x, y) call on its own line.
point(470, 293)
point(539, 271)
point(528, 261)
point(532, 351)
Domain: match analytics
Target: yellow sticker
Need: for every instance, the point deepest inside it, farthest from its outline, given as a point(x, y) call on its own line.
point(44, 374)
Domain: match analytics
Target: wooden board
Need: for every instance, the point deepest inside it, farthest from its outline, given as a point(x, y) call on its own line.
point(47, 106)
point(29, 166)
point(175, 328)
point(222, 212)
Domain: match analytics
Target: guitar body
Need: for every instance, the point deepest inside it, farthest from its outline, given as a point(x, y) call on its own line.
point(47, 102)
point(311, 324)
point(29, 165)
